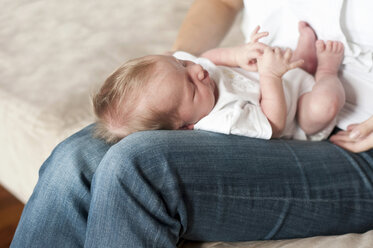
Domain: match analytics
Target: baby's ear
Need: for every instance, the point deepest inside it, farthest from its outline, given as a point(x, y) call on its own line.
point(187, 127)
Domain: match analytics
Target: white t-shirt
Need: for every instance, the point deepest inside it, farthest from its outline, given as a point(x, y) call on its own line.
point(237, 110)
point(348, 21)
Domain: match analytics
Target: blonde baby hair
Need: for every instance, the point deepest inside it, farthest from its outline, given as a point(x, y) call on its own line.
point(116, 103)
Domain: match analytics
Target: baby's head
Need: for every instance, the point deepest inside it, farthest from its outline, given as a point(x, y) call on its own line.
point(153, 92)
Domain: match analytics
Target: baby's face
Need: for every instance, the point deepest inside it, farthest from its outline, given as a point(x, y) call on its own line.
point(183, 84)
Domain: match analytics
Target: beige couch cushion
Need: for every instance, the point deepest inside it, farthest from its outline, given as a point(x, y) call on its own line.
point(342, 241)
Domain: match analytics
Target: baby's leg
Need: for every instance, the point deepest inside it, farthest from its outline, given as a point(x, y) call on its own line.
point(317, 108)
point(306, 48)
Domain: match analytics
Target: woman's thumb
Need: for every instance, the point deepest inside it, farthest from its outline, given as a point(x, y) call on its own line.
point(363, 129)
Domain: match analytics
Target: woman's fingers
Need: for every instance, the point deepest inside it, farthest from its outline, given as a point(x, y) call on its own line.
point(350, 146)
point(356, 146)
point(361, 130)
point(352, 126)
point(344, 140)
point(341, 136)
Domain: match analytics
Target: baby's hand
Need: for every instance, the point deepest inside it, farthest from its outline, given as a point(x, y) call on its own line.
point(274, 62)
point(247, 54)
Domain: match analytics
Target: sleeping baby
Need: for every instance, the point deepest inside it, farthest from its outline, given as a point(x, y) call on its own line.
point(251, 90)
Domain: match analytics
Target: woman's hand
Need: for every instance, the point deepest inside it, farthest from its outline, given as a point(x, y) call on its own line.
point(357, 137)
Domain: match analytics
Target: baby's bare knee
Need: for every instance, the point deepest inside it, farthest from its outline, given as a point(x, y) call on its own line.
point(325, 108)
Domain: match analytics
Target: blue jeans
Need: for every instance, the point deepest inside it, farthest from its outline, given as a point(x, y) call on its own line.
point(156, 187)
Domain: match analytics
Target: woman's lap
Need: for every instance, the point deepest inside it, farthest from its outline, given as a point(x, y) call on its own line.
point(56, 212)
point(155, 186)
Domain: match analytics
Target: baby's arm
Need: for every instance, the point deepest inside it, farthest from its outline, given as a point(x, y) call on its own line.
point(243, 56)
point(272, 65)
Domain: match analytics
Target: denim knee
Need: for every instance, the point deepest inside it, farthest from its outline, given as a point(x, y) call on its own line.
point(59, 205)
point(136, 191)
point(145, 154)
point(73, 162)
point(144, 159)
point(65, 177)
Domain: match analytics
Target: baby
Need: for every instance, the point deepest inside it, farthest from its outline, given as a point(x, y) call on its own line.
point(252, 90)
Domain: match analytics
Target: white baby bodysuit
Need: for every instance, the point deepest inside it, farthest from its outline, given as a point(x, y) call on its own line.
point(237, 110)
point(343, 20)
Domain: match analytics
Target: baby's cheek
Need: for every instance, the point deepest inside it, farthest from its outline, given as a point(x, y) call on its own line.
point(212, 103)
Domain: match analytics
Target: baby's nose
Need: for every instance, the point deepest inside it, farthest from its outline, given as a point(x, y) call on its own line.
point(202, 74)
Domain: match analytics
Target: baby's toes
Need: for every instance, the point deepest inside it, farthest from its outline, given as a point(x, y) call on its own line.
point(336, 47)
point(329, 46)
point(320, 46)
point(340, 47)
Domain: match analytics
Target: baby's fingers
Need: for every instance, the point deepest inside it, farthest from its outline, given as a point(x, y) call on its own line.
point(255, 36)
point(268, 50)
point(251, 66)
point(259, 46)
point(254, 54)
point(254, 32)
point(288, 54)
point(277, 50)
point(296, 64)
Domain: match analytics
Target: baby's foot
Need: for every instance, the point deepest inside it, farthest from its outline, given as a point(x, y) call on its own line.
point(329, 57)
point(306, 49)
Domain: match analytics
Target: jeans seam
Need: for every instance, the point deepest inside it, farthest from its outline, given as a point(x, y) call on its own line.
point(305, 184)
point(283, 198)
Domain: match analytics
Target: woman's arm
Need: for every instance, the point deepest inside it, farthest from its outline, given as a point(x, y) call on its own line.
point(206, 24)
point(357, 137)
